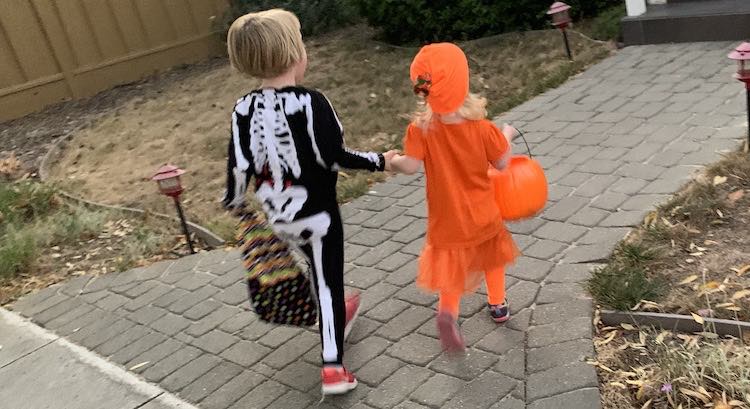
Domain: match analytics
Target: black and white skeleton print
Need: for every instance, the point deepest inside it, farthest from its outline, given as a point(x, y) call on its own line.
point(291, 141)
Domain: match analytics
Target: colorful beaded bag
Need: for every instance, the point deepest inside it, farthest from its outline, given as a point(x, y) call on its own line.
point(279, 290)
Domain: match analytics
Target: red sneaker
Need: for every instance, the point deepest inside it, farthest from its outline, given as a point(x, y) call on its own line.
point(352, 312)
point(336, 380)
point(450, 335)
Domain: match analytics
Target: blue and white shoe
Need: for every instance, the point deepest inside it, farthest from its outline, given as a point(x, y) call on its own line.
point(500, 313)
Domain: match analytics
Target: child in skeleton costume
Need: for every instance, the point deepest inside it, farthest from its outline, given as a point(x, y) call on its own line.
point(290, 139)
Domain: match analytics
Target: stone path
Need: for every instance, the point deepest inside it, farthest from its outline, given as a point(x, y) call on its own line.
point(615, 141)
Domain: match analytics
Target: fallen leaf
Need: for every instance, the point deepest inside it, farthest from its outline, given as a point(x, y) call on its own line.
point(627, 326)
point(661, 336)
point(697, 318)
point(719, 212)
point(608, 339)
point(650, 219)
point(695, 394)
point(712, 285)
point(740, 294)
point(719, 180)
point(742, 270)
point(647, 405)
point(641, 391)
point(709, 335)
point(619, 385)
point(689, 279)
point(141, 365)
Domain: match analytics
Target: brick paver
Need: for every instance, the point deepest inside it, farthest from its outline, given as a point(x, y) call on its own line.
point(614, 141)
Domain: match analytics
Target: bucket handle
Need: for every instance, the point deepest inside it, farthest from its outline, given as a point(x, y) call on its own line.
point(525, 142)
point(528, 149)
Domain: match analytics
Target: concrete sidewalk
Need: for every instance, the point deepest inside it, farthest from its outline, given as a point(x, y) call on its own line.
point(40, 370)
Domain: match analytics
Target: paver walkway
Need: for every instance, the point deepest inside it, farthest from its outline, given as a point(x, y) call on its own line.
point(615, 141)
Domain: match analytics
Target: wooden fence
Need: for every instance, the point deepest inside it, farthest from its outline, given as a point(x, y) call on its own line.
point(52, 50)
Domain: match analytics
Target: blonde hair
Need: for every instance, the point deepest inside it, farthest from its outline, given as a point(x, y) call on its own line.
point(265, 44)
point(474, 109)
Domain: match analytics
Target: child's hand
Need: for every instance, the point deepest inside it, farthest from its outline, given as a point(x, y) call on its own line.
point(389, 158)
point(510, 133)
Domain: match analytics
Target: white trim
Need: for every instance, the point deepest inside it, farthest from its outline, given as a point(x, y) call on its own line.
point(635, 7)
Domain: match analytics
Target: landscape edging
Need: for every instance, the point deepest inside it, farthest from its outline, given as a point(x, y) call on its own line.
point(675, 322)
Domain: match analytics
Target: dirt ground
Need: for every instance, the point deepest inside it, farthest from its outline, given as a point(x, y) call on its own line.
point(704, 258)
point(700, 257)
point(655, 369)
point(183, 118)
point(124, 242)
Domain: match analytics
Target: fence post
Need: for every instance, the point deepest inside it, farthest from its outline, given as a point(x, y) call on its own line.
point(52, 26)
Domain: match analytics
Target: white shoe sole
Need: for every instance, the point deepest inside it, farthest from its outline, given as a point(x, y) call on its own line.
point(338, 388)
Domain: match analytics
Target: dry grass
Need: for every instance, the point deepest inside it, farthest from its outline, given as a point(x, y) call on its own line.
point(643, 368)
point(695, 249)
point(44, 240)
point(700, 250)
point(186, 122)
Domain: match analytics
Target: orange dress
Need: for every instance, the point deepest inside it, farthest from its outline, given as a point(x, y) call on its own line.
point(465, 232)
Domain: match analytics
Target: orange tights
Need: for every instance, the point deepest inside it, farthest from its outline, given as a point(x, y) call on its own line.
point(495, 279)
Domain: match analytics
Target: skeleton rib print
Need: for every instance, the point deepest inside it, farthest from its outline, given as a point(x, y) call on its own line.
point(292, 142)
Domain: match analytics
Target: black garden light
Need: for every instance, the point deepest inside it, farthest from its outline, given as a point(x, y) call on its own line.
point(168, 179)
point(741, 54)
point(560, 13)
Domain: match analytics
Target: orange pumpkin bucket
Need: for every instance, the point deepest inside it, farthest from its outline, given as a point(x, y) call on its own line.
point(520, 188)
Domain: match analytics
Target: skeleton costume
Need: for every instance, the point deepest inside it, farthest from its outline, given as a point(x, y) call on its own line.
point(291, 140)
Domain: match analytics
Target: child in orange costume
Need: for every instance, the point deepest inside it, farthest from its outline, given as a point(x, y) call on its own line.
point(466, 238)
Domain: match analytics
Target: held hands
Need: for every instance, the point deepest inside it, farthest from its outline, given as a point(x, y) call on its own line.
point(401, 163)
point(389, 159)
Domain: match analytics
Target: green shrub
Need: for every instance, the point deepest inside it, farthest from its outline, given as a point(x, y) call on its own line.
point(316, 16)
point(24, 201)
point(419, 21)
point(606, 25)
point(18, 252)
point(75, 224)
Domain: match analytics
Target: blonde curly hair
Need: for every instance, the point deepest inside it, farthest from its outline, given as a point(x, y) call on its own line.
point(473, 109)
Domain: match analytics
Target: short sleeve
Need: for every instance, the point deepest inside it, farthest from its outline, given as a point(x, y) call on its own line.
point(414, 142)
point(495, 144)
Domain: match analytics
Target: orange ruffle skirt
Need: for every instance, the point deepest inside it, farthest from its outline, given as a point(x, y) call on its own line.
point(462, 269)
